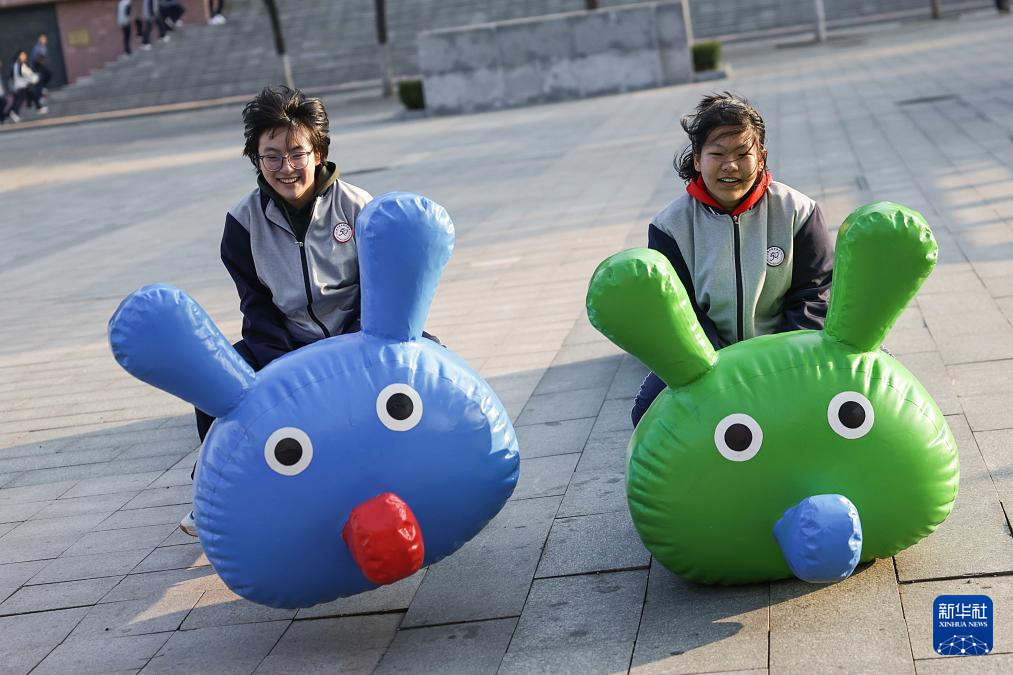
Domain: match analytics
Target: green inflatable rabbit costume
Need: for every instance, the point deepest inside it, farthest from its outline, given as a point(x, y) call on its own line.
point(797, 453)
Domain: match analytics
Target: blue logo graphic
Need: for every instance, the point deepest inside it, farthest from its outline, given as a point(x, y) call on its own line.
point(962, 625)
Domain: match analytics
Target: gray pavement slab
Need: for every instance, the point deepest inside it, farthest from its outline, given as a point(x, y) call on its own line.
point(993, 664)
point(553, 438)
point(489, 577)
point(545, 476)
point(997, 450)
point(575, 612)
point(222, 607)
point(153, 515)
point(975, 538)
point(154, 584)
point(227, 649)
point(58, 595)
point(126, 539)
point(468, 648)
point(162, 496)
point(689, 628)
point(930, 370)
point(562, 406)
point(347, 645)
point(605, 657)
point(138, 617)
point(591, 492)
point(628, 379)
point(809, 631)
point(105, 505)
point(183, 556)
point(102, 654)
point(29, 638)
point(614, 416)
point(600, 542)
point(72, 568)
point(48, 538)
point(581, 375)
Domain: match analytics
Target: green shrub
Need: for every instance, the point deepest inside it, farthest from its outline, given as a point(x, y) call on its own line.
point(410, 93)
point(706, 55)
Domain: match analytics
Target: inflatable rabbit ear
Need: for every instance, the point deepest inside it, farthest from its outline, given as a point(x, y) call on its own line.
point(404, 243)
point(636, 300)
point(160, 335)
point(884, 253)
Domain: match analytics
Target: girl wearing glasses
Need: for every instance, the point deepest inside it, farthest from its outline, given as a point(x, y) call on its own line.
point(289, 245)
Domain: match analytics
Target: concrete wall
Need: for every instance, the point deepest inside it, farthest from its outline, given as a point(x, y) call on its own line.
point(744, 18)
point(555, 57)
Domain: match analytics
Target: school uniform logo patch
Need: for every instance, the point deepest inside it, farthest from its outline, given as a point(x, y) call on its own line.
point(775, 256)
point(342, 232)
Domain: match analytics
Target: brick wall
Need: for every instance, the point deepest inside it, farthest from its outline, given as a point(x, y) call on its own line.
point(90, 36)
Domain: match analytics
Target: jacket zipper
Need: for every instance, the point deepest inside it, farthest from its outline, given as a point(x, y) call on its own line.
point(309, 292)
point(738, 280)
point(305, 278)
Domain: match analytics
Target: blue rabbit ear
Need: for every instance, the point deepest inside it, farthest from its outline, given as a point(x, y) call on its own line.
point(160, 335)
point(404, 242)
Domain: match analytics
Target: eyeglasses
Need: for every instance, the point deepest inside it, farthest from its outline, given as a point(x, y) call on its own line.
point(296, 160)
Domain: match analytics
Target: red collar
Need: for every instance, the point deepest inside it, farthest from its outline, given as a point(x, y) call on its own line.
point(698, 191)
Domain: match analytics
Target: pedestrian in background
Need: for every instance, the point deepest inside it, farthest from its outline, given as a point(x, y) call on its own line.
point(152, 17)
point(23, 81)
point(37, 59)
point(5, 107)
point(216, 9)
point(172, 13)
point(123, 10)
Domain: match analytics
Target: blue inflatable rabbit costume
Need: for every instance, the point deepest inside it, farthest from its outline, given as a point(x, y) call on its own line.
point(348, 463)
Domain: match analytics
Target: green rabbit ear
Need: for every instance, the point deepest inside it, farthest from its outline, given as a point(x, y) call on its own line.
point(636, 300)
point(885, 252)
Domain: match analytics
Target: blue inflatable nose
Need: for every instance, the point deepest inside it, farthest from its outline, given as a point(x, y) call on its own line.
point(821, 538)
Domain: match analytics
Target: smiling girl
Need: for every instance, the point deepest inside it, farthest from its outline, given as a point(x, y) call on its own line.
point(754, 254)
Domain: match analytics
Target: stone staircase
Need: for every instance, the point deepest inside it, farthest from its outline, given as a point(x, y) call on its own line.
point(331, 43)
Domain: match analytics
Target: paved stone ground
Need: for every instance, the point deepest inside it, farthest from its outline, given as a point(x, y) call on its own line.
point(94, 466)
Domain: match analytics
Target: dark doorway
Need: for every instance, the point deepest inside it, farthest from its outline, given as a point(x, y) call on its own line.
point(20, 27)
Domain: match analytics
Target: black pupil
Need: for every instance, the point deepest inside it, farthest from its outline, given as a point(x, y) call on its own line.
point(399, 406)
point(851, 414)
point(738, 437)
point(288, 451)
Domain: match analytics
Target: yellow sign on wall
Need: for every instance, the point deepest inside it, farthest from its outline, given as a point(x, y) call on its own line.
point(79, 38)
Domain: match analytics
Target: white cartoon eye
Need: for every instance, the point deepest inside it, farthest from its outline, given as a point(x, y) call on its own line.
point(399, 407)
point(288, 451)
point(738, 437)
point(850, 415)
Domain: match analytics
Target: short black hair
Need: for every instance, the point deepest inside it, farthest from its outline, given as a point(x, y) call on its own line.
point(280, 106)
point(716, 110)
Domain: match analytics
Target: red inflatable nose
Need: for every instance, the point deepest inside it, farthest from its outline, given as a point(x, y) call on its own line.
point(385, 539)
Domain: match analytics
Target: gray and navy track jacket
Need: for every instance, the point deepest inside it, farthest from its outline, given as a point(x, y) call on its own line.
point(293, 292)
point(764, 268)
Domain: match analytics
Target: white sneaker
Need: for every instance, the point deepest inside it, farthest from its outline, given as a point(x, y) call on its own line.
point(146, 47)
point(14, 116)
point(165, 38)
point(44, 110)
point(188, 526)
